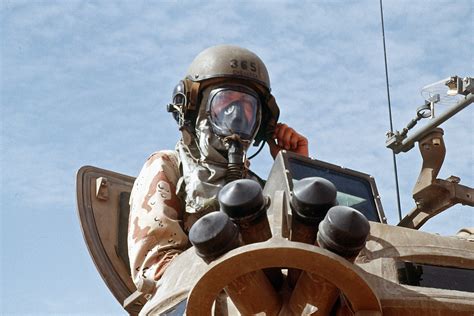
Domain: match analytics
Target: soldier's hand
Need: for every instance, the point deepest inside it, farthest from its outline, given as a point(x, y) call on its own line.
point(287, 138)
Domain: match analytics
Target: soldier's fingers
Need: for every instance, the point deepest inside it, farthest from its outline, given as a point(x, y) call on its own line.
point(280, 134)
point(295, 137)
point(276, 130)
point(289, 132)
point(302, 148)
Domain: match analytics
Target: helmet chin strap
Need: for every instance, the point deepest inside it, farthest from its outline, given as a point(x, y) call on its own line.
point(236, 156)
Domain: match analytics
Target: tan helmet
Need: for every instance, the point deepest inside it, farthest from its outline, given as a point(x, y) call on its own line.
point(228, 61)
point(222, 63)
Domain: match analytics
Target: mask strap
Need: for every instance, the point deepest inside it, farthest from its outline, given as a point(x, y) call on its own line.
point(192, 93)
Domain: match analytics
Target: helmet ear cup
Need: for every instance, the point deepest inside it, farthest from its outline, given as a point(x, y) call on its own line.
point(177, 107)
point(179, 93)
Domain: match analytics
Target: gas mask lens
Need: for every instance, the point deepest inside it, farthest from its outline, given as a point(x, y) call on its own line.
point(234, 112)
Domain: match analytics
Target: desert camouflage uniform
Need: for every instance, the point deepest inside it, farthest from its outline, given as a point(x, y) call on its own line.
point(159, 219)
point(155, 235)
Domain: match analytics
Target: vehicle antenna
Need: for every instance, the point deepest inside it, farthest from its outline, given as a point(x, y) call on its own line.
point(390, 114)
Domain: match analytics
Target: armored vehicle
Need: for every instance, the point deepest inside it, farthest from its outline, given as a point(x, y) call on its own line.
point(314, 241)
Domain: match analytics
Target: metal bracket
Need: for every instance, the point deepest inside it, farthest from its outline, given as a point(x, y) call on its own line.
point(436, 198)
point(102, 189)
point(432, 196)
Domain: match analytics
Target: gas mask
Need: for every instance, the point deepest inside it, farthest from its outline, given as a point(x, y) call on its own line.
point(234, 113)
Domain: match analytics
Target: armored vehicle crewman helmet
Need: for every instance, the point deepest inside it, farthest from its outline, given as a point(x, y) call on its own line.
point(231, 62)
point(221, 66)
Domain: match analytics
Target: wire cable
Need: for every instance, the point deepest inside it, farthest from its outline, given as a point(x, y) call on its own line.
point(258, 151)
point(390, 113)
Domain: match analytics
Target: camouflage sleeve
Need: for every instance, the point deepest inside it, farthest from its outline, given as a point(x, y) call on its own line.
point(155, 235)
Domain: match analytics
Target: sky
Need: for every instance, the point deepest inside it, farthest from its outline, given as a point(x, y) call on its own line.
point(87, 83)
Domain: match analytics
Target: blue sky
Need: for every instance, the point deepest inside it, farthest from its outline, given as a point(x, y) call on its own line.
point(86, 83)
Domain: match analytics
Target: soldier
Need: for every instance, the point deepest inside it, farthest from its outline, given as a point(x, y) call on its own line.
point(222, 106)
